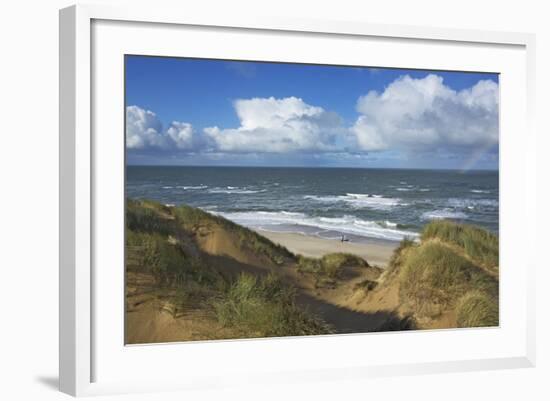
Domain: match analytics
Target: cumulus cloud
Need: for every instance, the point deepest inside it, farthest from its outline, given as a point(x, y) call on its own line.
point(279, 125)
point(144, 131)
point(423, 114)
point(181, 134)
point(409, 118)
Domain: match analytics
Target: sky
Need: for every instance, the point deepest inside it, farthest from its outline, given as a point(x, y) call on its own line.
point(182, 111)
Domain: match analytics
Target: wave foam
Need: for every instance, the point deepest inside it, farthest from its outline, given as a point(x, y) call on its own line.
point(443, 214)
point(235, 190)
point(347, 224)
point(186, 187)
point(472, 203)
point(359, 200)
point(387, 223)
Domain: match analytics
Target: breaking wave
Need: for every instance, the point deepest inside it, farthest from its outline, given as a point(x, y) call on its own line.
point(359, 200)
point(235, 190)
point(443, 214)
point(295, 222)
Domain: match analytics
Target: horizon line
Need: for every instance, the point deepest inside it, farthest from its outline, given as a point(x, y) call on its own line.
point(313, 167)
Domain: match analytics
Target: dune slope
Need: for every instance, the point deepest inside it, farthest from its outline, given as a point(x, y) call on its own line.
point(195, 276)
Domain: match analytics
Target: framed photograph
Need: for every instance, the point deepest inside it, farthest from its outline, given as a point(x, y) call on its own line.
point(274, 200)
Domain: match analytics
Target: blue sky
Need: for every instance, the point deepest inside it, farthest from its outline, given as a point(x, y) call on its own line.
point(213, 112)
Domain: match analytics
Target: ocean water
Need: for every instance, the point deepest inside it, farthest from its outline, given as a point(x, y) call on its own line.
point(362, 204)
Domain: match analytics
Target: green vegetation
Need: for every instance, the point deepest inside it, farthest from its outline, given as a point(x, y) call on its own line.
point(168, 263)
point(161, 242)
point(187, 296)
point(434, 274)
point(328, 269)
point(453, 270)
point(399, 253)
point(265, 307)
point(477, 309)
point(334, 263)
point(145, 216)
point(450, 261)
point(331, 265)
point(152, 247)
point(195, 219)
point(478, 244)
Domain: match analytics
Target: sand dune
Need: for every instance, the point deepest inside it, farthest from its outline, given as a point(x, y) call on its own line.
point(196, 286)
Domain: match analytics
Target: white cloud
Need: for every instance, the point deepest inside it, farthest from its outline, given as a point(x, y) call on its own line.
point(181, 134)
point(143, 128)
point(144, 131)
point(279, 125)
point(410, 117)
point(423, 114)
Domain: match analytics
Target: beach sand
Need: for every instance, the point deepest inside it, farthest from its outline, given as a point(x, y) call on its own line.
point(375, 253)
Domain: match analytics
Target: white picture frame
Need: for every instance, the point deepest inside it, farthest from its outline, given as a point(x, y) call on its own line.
point(84, 161)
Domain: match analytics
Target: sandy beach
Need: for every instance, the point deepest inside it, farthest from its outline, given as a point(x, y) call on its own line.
point(376, 253)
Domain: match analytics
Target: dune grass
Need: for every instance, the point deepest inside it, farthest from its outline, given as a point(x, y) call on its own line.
point(398, 254)
point(265, 307)
point(477, 309)
point(433, 277)
point(145, 216)
point(330, 265)
point(168, 263)
point(454, 267)
point(193, 218)
point(478, 243)
point(149, 228)
point(328, 269)
point(160, 242)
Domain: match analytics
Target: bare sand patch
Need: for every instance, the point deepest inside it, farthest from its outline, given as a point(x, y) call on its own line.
point(375, 253)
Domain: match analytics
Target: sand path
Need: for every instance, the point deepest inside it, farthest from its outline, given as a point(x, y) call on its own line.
point(343, 307)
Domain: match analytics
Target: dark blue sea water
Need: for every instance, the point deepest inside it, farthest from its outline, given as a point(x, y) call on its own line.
point(363, 204)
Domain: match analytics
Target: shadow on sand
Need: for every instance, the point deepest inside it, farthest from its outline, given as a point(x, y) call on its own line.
point(345, 321)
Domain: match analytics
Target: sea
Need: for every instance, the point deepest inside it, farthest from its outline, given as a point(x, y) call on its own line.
point(358, 204)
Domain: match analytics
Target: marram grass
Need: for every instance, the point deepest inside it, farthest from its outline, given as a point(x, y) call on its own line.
point(476, 242)
point(265, 307)
point(477, 309)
